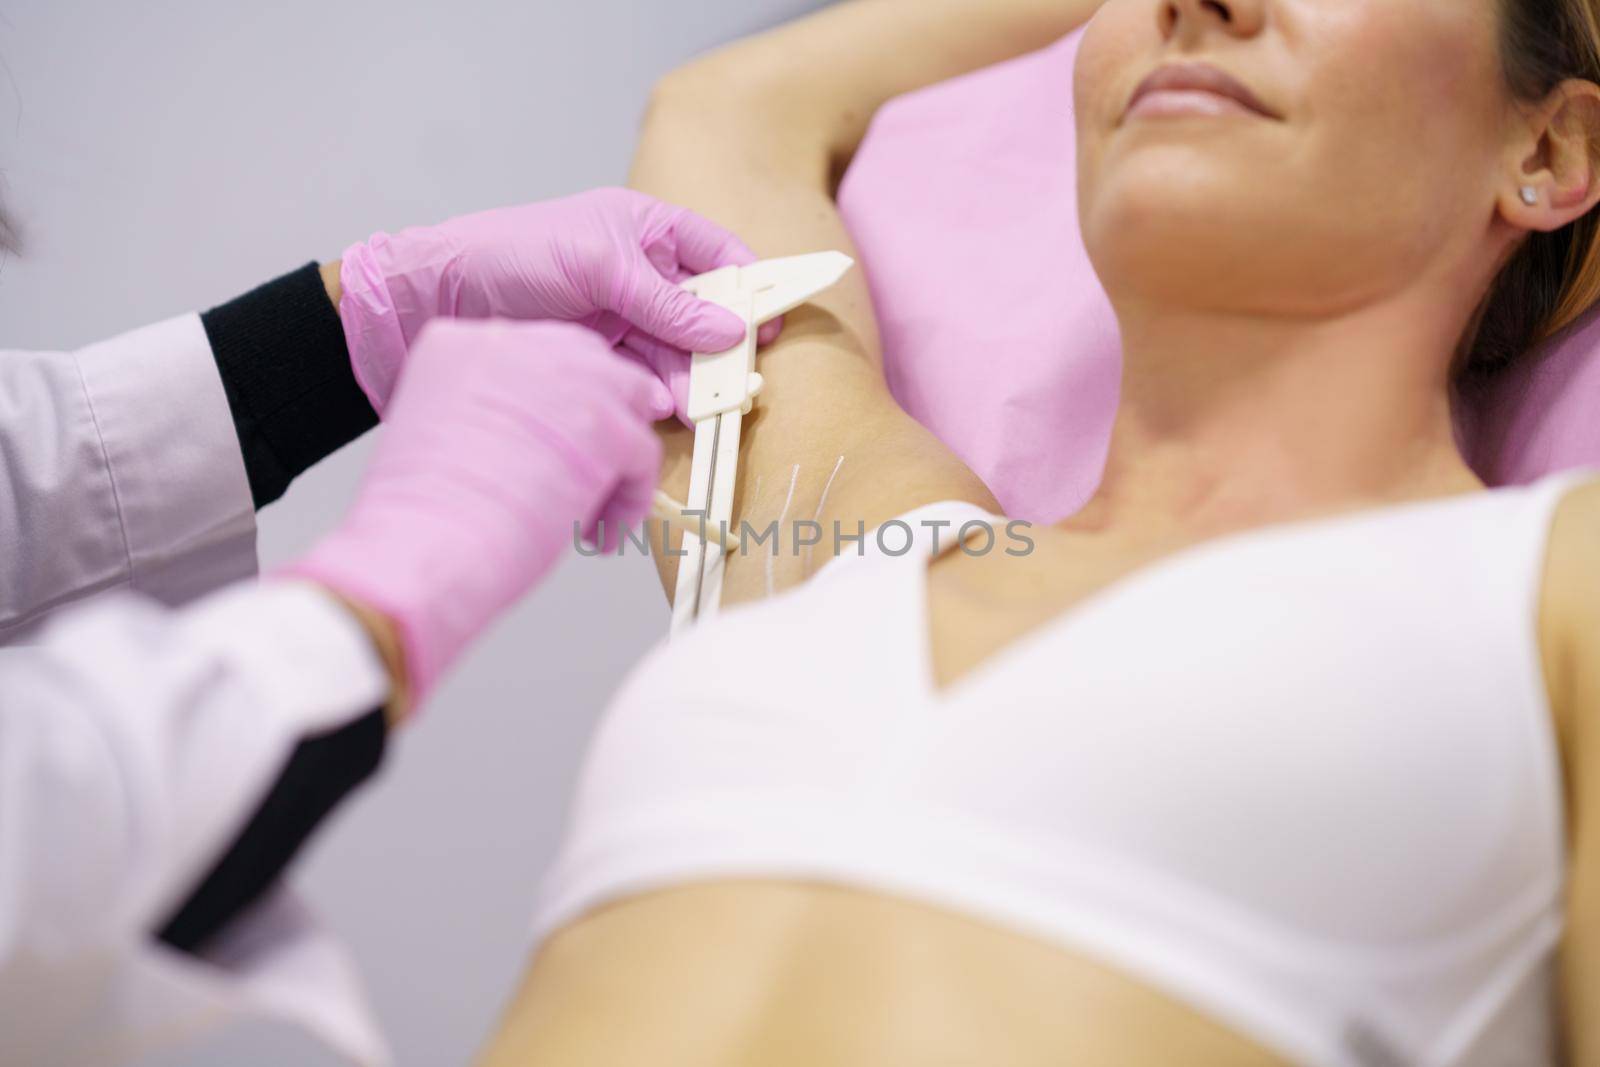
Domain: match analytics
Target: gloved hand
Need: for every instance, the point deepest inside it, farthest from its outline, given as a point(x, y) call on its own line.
point(610, 259)
point(501, 436)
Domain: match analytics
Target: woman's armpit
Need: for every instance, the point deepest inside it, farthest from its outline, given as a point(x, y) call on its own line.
point(826, 448)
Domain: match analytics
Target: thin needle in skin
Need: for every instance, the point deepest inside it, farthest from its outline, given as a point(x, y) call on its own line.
point(751, 505)
point(823, 499)
point(794, 476)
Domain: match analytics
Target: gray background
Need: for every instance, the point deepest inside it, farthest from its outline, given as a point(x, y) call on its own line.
point(165, 156)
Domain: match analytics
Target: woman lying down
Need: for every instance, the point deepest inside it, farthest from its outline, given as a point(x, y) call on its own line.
point(1286, 748)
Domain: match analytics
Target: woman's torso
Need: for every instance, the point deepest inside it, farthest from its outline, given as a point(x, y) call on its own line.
point(1269, 774)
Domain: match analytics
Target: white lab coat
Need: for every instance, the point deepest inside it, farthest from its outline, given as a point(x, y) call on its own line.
point(137, 736)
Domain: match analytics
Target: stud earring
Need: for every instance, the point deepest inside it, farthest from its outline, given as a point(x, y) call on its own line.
point(1530, 195)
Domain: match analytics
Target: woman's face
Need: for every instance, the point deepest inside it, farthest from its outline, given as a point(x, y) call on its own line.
point(1374, 158)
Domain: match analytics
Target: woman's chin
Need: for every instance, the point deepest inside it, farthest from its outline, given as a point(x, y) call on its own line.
point(1173, 254)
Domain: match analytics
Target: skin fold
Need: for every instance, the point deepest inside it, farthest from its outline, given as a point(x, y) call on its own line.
point(1291, 292)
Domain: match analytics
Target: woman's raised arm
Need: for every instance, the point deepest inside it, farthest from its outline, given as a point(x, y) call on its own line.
point(825, 76)
point(752, 136)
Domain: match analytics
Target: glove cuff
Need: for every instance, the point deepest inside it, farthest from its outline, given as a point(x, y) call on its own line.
point(358, 568)
point(372, 328)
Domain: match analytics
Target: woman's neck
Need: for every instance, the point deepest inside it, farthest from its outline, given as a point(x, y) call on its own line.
point(1228, 421)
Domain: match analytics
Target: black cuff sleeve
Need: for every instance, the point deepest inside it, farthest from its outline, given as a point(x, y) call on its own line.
point(323, 771)
point(284, 365)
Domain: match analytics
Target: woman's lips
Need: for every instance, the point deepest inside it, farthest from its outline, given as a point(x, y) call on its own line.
point(1194, 89)
point(1186, 102)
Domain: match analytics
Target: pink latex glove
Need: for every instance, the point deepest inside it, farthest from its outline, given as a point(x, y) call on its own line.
point(501, 436)
point(610, 259)
point(671, 364)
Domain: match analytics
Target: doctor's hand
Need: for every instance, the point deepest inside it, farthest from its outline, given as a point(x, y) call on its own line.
point(610, 259)
point(503, 441)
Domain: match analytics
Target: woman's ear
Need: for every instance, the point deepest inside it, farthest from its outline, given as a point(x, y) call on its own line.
point(1553, 169)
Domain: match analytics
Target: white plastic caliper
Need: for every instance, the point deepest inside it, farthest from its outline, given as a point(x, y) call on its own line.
point(722, 390)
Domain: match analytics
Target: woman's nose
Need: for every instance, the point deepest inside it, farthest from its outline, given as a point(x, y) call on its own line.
point(1190, 20)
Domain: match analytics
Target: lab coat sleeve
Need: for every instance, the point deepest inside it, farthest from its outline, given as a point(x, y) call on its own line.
point(138, 462)
point(119, 468)
point(136, 742)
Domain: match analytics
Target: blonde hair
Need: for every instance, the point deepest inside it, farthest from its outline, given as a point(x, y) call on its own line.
point(1554, 278)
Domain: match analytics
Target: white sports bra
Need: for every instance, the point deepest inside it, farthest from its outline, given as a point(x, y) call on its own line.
point(1302, 778)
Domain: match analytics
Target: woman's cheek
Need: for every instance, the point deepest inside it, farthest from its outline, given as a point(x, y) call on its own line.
point(1409, 59)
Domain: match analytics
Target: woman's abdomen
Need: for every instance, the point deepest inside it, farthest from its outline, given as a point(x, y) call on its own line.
point(731, 974)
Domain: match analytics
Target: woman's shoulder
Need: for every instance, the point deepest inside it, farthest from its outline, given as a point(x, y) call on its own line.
point(1571, 580)
point(1569, 609)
